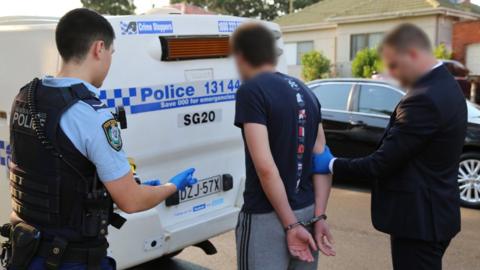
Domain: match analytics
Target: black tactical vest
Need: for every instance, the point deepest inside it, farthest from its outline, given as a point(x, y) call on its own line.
point(53, 186)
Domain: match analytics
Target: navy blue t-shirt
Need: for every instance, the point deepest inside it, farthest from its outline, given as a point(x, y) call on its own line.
point(291, 113)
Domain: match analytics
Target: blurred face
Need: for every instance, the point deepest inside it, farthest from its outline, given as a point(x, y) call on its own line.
point(402, 65)
point(244, 68)
point(102, 56)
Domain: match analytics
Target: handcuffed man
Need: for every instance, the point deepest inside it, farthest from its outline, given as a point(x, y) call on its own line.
point(283, 221)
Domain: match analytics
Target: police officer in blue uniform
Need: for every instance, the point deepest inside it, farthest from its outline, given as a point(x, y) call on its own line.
point(68, 166)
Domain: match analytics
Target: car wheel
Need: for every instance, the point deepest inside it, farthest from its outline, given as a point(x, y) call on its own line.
point(469, 179)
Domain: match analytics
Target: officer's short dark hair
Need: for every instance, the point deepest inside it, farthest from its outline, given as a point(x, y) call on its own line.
point(78, 29)
point(406, 36)
point(256, 43)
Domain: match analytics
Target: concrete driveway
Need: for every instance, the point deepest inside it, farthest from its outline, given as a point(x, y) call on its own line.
point(358, 245)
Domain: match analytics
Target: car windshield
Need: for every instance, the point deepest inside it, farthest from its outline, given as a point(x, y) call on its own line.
point(473, 110)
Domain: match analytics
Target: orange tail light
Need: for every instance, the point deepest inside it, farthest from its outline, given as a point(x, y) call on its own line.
point(194, 47)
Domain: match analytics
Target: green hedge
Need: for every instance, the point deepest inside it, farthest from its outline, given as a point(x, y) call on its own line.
point(315, 66)
point(366, 63)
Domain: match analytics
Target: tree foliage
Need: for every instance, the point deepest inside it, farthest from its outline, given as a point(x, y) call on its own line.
point(263, 9)
point(315, 66)
point(441, 52)
point(111, 7)
point(366, 63)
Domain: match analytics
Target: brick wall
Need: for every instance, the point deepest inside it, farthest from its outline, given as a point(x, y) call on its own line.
point(464, 33)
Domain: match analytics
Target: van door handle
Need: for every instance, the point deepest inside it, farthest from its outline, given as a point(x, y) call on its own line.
point(358, 123)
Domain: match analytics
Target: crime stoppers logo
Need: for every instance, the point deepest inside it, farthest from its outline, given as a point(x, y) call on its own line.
point(146, 27)
point(128, 28)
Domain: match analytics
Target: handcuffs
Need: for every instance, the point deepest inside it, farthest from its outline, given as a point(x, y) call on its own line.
point(306, 223)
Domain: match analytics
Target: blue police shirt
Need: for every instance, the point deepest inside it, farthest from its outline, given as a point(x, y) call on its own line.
point(84, 127)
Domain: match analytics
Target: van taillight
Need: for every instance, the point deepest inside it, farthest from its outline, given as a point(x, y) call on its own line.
point(175, 48)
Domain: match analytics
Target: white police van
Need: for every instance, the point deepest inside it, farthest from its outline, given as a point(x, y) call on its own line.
point(173, 75)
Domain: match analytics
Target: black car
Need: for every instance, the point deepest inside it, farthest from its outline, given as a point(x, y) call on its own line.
point(356, 113)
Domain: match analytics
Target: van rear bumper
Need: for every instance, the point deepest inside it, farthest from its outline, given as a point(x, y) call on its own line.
point(201, 229)
point(131, 246)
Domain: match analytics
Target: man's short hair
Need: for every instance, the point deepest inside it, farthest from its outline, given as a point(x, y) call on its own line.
point(78, 29)
point(406, 36)
point(256, 43)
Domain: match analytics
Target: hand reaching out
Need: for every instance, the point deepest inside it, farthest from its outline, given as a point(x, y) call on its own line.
point(300, 244)
point(184, 179)
point(321, 162)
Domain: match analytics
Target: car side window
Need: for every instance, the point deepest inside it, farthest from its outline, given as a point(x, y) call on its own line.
point(376, 99)
point(333, 96)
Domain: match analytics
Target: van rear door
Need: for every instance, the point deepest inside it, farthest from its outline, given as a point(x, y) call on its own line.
point(180, 115)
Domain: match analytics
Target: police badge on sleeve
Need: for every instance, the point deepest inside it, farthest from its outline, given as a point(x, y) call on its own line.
point(112, 131)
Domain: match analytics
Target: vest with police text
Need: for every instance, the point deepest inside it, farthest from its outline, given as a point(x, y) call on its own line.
point(54, 186)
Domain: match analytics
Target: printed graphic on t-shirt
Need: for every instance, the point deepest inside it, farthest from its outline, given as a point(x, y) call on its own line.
point(302, 116)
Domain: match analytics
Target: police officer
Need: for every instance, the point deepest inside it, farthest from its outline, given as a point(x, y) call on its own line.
point(68, 166)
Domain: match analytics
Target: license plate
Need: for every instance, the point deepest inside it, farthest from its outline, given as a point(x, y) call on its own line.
point(203, 188)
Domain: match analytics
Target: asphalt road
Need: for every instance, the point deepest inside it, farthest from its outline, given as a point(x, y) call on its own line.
point(358, 245)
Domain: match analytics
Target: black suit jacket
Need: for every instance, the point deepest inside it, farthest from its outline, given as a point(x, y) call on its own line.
point(415, 193)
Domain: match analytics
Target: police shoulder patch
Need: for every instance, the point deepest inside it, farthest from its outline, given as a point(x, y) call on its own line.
point(112, 132)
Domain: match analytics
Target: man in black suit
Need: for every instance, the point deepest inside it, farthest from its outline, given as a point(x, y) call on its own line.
point(415, 195)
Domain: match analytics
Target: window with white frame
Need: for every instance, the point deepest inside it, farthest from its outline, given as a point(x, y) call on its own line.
point(359, 42)
point(294, 51)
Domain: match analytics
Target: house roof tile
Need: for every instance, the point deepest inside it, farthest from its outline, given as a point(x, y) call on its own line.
point(329, 10)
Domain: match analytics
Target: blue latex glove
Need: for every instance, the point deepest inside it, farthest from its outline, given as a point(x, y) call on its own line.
point(184, 179)
point(153, 183)
point(321, 162)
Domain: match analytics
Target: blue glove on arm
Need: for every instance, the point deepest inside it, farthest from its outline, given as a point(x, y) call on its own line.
point(321, 162)
point(152, 183)
point(184, 179)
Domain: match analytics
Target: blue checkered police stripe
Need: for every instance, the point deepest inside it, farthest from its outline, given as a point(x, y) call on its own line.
point(4, 153)
point(118, 97)
point(147, 99)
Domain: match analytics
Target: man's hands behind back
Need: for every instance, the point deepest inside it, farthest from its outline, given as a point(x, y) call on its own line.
point(324, 238)
point(301, 244)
